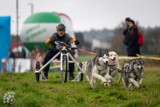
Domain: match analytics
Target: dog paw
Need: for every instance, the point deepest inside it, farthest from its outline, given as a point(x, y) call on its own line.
point(110, 82)
point(105, 83)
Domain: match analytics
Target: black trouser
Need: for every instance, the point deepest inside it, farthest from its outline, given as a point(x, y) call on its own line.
point(51, 53)
point(133, 51)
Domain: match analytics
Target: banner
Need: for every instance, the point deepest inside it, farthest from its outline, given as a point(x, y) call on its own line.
point(18, 65)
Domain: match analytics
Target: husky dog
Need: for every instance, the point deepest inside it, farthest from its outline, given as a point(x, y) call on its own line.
point(97, 68)
point(132, 73)
point(113, 65)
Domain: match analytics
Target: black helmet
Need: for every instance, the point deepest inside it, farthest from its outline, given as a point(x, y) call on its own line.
point(61, 27)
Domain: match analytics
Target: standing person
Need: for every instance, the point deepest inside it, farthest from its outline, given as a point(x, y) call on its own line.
point(60, 35)
point(125, 33)
point(11, 54)
point(133, 47)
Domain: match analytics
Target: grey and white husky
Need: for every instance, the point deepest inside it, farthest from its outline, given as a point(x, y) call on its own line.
point(132, 73)
point(97, 69)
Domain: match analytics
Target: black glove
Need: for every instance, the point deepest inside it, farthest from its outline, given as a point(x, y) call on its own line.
point(77, 42)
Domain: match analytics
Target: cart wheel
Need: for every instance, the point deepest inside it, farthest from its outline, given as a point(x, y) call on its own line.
point(80, 78)
point(37, 74)
point(64, 72)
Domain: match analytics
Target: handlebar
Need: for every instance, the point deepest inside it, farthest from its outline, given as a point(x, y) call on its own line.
point(60, 45)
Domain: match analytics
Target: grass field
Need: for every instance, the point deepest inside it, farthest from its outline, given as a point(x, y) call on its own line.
point(52, 93)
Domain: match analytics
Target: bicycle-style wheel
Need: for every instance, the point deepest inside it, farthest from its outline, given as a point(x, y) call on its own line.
point(64, 72)
point(80, 77)
point(37, 74)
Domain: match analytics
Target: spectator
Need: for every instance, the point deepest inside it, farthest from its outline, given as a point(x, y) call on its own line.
point(37, 55)
point(11, 54)
point(23, 53)
point(133, 47)
point(18, 54)
point(125, 33)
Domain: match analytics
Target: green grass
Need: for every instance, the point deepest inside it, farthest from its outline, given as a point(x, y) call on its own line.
point(53, 93)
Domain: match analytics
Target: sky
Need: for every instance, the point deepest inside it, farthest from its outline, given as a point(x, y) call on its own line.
point(87, 14)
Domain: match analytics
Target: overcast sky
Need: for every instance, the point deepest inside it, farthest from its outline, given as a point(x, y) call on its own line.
point(88, 14)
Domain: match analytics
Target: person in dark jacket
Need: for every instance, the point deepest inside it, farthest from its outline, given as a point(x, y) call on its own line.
point(125, 33)
point(133, 47)
point(60, 35)
point(127, 26)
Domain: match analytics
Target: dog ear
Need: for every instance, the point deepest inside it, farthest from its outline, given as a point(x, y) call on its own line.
point(107, 52)
point(100, 53)
point(141, 60)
